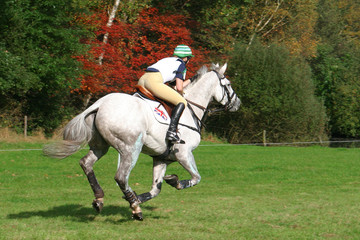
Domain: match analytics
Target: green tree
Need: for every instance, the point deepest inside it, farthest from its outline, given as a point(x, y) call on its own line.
point(336, 69)
point(38, 41)
point(277, 95)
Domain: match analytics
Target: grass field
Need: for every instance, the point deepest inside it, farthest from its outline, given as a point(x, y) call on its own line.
point(246, 192)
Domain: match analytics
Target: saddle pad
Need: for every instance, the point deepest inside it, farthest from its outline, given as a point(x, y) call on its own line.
point(158, 110)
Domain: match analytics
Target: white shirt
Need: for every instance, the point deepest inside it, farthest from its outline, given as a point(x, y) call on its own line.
point(170, 68)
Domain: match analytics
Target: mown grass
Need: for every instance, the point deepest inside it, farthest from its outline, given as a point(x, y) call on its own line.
point(246, 192)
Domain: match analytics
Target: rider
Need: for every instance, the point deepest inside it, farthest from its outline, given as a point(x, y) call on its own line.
point(170, 69)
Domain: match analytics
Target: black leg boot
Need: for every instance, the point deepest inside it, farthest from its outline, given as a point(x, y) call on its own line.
point(171, 134)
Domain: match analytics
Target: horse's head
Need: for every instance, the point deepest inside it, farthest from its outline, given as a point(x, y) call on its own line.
point(224, 94)
point(208, 85)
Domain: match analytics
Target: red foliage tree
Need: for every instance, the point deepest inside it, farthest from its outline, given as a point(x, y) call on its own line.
point(131, 48)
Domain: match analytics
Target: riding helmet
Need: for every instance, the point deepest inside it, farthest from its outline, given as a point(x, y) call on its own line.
point(183, 51)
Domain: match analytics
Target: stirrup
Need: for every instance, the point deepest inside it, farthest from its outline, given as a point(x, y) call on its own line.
point(174, 138)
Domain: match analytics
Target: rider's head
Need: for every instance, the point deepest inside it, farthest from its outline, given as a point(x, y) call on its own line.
point(183, 51)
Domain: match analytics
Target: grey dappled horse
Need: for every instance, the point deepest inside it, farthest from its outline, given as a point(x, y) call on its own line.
point(126, 123)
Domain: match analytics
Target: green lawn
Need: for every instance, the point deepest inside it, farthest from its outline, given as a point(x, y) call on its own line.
point(246, 192)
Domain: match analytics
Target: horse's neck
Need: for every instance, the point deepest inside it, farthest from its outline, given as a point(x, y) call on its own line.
point(201, 93)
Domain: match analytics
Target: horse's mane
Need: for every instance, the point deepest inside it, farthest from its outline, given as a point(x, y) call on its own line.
point(202, 71)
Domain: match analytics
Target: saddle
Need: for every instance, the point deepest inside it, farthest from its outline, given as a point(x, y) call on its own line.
point(147, 94)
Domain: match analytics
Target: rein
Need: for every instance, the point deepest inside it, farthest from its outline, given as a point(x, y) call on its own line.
point(196, 105)
point(198, 122)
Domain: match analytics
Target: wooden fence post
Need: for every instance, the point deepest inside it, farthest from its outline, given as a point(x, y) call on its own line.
point(25, 126)
point(264, 138)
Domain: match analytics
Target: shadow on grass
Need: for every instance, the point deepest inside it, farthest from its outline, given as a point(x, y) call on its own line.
point(80, 213)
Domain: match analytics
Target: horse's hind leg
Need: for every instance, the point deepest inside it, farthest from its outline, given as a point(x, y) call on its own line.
point(87, 163)
point(127, 162)
point(128, 158)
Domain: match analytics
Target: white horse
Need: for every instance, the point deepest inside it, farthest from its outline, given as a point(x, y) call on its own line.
point(126, 123)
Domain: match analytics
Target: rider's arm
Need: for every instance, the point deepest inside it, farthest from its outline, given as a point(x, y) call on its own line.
point(179, 85)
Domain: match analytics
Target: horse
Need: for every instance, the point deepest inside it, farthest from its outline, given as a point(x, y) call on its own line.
point(126, 123)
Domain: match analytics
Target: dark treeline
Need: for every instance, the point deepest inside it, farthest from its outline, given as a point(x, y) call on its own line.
point(294, 64)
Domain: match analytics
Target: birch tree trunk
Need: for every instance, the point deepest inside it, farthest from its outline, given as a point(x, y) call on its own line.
point(265, 19)
point(106, 36)
point(109, 23)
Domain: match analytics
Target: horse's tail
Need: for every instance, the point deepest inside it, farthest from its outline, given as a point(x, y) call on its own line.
point(76, 134)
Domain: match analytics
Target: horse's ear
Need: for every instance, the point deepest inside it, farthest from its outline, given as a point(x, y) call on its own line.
point(214, 66)
point(223, 69)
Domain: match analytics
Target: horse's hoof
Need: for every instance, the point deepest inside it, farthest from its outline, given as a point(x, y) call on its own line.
point(97, 205)
point(138, 216)
point(172, 180)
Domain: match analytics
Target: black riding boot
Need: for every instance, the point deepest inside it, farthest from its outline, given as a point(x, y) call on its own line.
point(171, 134)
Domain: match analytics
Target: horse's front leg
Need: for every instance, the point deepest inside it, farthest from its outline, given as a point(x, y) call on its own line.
point(187, 160)
point(159, 169)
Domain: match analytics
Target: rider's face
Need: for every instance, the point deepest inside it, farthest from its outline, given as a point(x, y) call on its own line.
point(186, 59)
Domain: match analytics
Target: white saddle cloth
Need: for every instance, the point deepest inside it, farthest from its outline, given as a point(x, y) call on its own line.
point(157, 109)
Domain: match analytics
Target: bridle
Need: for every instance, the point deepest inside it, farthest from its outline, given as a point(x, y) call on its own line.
point(207, 112)
point(226, 92)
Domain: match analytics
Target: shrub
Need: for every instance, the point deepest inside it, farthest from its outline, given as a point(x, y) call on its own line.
point(277, 95)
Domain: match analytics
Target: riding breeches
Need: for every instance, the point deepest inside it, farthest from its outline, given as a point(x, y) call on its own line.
point(153, 82)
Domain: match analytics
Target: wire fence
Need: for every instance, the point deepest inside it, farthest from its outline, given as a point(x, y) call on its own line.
point(335, 143)
point(344, 143)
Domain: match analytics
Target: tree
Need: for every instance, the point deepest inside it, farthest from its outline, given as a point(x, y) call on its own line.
point(220, 25)
point(300, 36)
point(336, 67)
point(131, 48)
point(350, 10)
point(223, 23)
point(36, 66)
point(268, 17)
